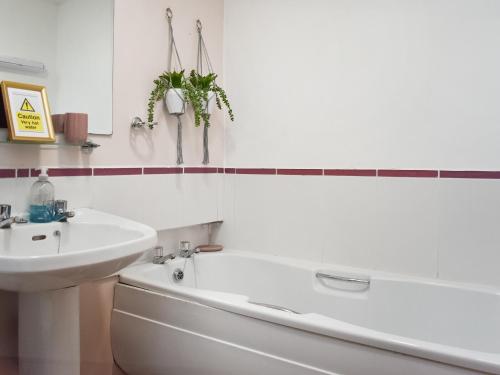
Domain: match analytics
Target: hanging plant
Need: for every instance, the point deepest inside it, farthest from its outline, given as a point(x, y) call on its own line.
point(203, 93)
point(172, 87)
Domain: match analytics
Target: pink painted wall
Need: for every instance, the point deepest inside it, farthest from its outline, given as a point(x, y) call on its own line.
point(140, 54)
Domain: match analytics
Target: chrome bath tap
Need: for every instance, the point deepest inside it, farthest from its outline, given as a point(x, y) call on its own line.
point(6, 220)
point(159, 258)
point(185, 250)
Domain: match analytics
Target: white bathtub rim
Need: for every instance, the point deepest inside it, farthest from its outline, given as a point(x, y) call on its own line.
point(340, 269)
point(310, 322)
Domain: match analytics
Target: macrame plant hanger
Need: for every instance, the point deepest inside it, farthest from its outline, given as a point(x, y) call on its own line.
point(203, 55)
point(174, 53)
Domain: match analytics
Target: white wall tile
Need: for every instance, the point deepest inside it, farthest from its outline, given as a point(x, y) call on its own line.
point(382, 223)
point(76, 190)
point(351, 220)
point(254, 213)
point(469, 238)
point(407, 230)
point(298, 225)
point(120, 195)
point(378, 223)
point(199, 194)
point(16, 191)
point(9, 194)
point(161, 201)
point(226, 233)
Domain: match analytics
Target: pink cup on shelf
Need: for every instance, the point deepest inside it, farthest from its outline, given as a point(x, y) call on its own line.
point(58, 121)
point(76, 127)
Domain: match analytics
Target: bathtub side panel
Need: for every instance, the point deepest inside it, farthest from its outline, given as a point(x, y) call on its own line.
point(177, 330)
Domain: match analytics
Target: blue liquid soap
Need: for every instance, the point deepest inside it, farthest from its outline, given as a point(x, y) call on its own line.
point(42, 200)
point(41, 213)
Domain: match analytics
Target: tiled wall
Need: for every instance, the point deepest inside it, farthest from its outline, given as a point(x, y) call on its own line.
point(162, 197)
point(372, 86)
point(409, 222)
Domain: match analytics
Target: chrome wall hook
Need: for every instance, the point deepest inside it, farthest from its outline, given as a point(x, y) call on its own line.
point(137, 123)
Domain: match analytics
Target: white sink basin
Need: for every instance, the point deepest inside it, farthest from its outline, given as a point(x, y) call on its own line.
point(92, 245)
point(46, 263)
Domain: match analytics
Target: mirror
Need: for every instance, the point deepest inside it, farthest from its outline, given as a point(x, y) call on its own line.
point(65, 45)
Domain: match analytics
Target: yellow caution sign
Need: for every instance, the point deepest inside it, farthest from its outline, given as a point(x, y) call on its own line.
point(27, 107)
point(28, 119)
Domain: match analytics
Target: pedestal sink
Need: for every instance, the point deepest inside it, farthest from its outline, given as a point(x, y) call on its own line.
point(45, 263)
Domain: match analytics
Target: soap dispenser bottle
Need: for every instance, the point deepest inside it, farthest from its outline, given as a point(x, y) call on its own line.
point(42, 199)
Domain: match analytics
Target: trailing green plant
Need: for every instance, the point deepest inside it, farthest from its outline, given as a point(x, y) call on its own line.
point(165, 82)
point(197, 88)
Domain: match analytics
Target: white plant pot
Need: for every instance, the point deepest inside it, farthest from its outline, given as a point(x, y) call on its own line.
point(174, 99)
point(209, 106)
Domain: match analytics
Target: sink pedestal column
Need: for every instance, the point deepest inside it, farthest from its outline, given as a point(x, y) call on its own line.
point(49, 332)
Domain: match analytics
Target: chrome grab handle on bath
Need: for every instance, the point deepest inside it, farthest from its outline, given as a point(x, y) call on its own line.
point(321, 275)
point(274, 307)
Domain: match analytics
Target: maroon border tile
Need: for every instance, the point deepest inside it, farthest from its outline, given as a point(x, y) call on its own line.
point(7, 173)
point(122, 171)
point(408, 173)
point(470, 174)
point(200, 170)
point(300, 172)
point(23, 172)
point(351, 172)
point(266, 171)
point(117, 171)
point(163, 170)
point(69, 172)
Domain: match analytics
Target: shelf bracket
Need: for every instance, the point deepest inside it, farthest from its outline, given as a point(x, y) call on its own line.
point(89, 146)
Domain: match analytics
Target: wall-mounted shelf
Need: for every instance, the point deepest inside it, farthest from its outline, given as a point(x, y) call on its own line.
point(87, 146)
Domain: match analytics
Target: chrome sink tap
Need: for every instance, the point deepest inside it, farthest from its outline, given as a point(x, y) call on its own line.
point(6, 220)
point(61, 212)
point(185, 250)
point(159, 258)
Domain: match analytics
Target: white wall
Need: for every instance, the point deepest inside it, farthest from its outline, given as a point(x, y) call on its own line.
point(365, 84)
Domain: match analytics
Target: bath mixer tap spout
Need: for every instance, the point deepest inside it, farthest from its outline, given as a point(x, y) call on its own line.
point(159, 258)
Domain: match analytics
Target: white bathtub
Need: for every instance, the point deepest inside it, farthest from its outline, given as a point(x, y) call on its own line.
point(209, 324)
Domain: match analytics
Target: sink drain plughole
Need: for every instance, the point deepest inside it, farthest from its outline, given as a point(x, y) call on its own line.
point(178, 274)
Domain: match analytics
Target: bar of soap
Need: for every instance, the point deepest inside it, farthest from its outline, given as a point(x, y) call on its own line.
point(210, 248)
